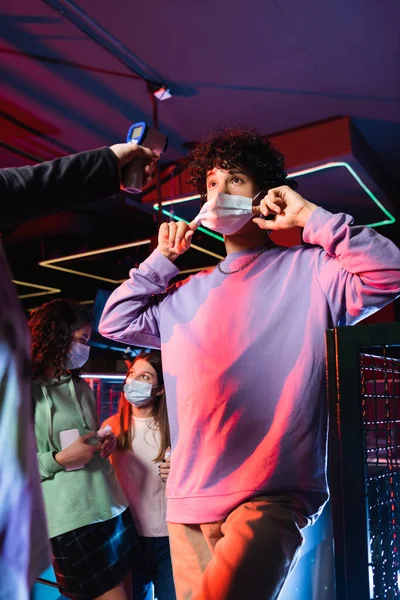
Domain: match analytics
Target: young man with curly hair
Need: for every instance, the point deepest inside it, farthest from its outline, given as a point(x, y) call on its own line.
point(244, 364)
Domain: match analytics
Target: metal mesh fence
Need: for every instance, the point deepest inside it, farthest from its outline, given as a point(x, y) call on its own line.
point(380, 397)
point(107, 393)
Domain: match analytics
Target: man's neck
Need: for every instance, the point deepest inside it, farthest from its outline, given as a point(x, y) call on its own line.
point(246, 241)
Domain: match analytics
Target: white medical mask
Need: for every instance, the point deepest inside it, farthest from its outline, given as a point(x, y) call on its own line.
point(139, 393)
point(78, 355)
point(225, 213)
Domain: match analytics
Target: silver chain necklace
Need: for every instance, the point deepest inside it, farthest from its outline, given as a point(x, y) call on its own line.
point(246, 264)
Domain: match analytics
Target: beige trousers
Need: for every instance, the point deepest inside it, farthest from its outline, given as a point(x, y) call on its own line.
point(246, 556)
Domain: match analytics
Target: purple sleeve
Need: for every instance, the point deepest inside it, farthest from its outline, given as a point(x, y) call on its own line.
point(358, 269)
point(132, 313)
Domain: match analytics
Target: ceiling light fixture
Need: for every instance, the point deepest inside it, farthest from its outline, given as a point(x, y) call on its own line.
point(53, 263)
point(46, 289)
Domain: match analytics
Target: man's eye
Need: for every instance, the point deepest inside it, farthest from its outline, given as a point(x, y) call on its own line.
point(237, 180)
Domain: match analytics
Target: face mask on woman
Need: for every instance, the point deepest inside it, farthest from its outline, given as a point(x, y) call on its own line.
point(78, 355)
point(139, 393)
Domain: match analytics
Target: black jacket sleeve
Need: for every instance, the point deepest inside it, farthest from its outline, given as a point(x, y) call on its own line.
point(32, 191)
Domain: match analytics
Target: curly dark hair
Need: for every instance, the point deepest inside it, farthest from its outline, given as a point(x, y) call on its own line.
point(238, 148)
point(52, 326)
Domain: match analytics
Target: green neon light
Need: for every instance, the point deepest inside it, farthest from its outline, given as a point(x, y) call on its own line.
point(331, 165)
point(360, 182)
point(200, 228)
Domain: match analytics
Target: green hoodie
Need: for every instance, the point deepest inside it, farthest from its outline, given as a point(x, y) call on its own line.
point(73, 498)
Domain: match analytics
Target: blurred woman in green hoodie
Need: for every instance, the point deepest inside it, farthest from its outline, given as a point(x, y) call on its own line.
point(92, 534)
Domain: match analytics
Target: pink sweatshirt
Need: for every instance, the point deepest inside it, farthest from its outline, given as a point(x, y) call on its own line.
point(244, 360)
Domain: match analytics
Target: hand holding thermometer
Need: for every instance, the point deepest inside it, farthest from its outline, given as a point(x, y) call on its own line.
point(142, 134)
point(99, 435)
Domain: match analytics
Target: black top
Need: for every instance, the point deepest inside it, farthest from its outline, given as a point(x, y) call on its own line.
point(32, 191)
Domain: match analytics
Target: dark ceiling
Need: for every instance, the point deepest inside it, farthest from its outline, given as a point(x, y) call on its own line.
point(75, 75)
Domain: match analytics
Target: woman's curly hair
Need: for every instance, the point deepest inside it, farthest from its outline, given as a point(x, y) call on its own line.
point(52, 326)
point(238, 148)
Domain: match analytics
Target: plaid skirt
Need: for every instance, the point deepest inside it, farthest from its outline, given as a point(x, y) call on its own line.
point(92, 560)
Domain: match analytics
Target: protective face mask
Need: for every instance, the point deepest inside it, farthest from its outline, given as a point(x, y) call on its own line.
point(226, 214)
point(78, 355)
point(138, 393)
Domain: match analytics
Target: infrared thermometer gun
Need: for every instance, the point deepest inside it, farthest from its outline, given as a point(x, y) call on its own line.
point(143, 135)
point(99, 436)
